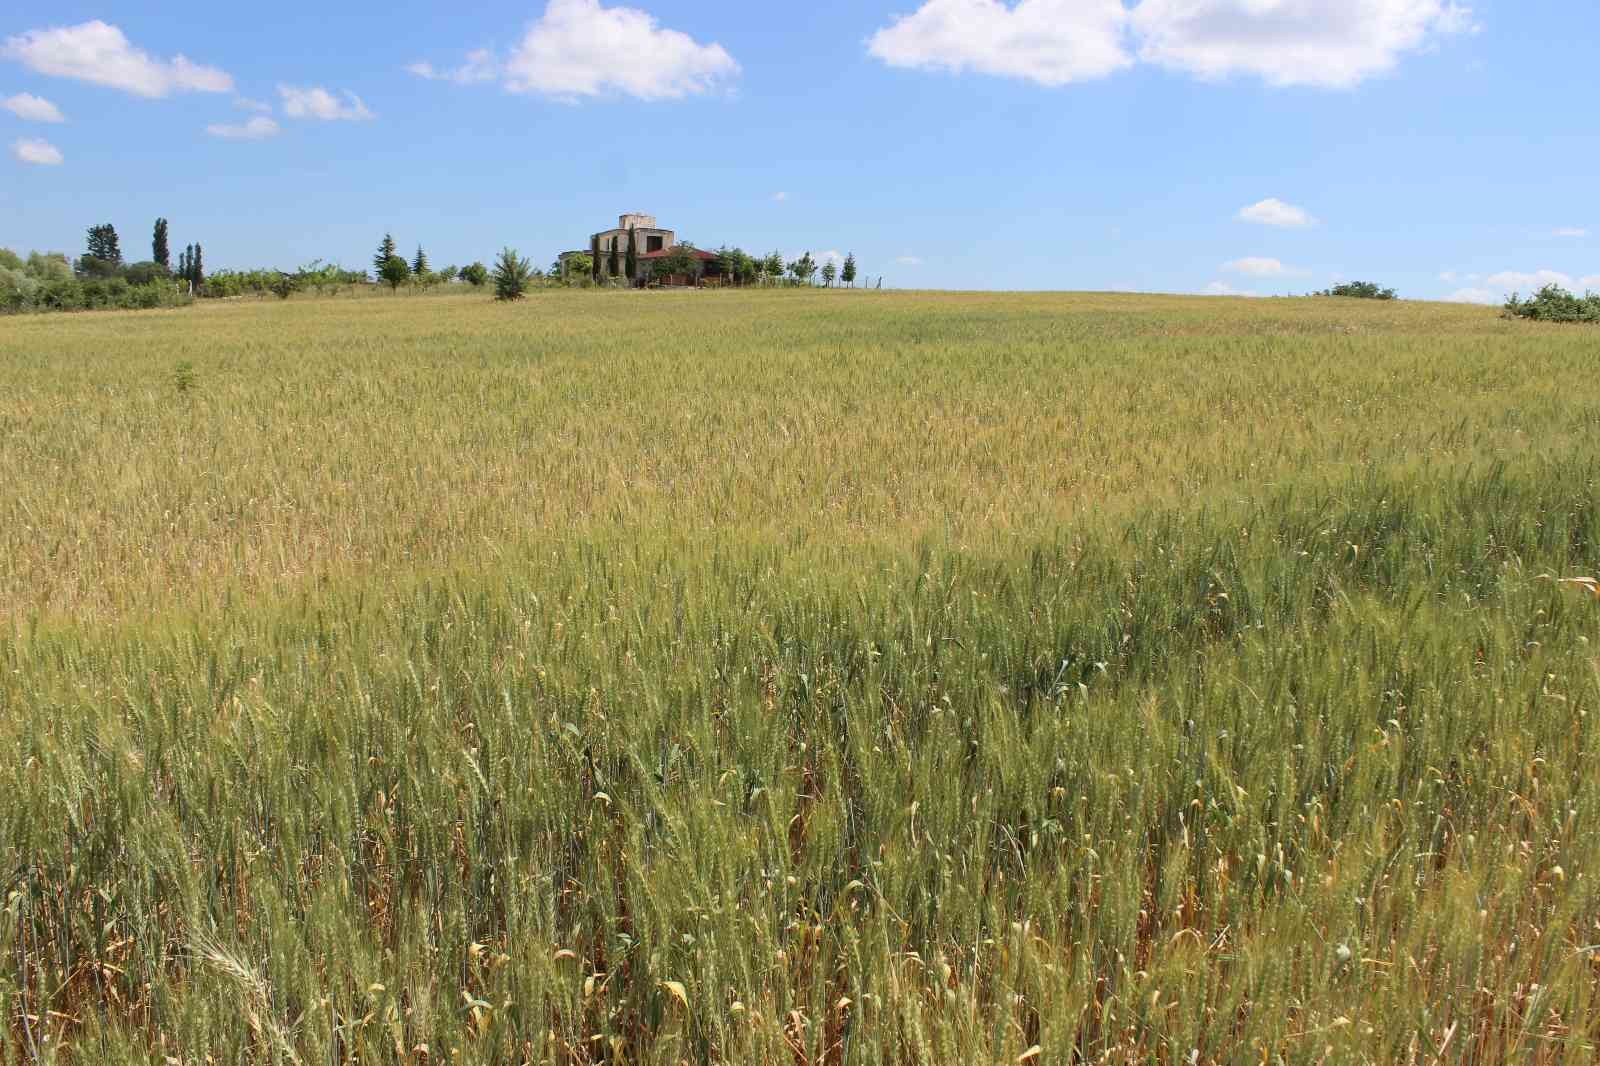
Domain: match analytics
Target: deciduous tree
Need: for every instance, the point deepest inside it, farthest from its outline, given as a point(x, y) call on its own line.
point(395, 272)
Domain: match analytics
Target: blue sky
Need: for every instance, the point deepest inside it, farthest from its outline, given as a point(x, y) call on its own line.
point(1257, 146)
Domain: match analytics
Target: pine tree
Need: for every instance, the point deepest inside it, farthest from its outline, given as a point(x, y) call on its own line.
point(612, 263)
point(159, 253)
point(848, 274)
point(385, 253)
point(511, 275)
point(419, 265)
point(103, 244)
point(632, 263)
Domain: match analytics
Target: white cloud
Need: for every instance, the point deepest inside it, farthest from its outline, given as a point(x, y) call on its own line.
point(1274, 212)
point(1590, 283)
point(1051, 42)
point(780, 197)
point(1517, 281)
point(257, 129)
point(909, 260)
point(1449, 277)
point(319, 103)
point(1222, 288)
point(245, 103)
point(480, 66)
point(98, 52)
point(33, 108)
point(1257, 267)
point(1332, 44)
point(578, 48)
point(1572, 231)
point(1326, 43)
point(39, 153)
point(1473, 296)
point(830, 256)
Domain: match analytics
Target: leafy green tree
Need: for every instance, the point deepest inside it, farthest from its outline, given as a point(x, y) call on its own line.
point(829, 272)
point(145, 273)
point(679, 261)
point(447, 275)
point(803, 269)
point(632, 263)
point(1359, 290)
point(159, 252)
point(284, 285)
point(575, 267)
point(386, 252)
point(476, 275)
point(848, 274)
point(511, 276)
point(395, 272)
point(419, 265)
point(772, 266)
point(1555, 304)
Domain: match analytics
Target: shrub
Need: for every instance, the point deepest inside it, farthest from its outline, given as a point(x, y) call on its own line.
point(1359, 290)
point(476, 275)
point(395, 271)
point(1555, 304)
point(511, 275)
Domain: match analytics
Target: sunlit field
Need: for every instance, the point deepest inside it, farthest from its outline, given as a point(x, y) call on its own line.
point(799, 677)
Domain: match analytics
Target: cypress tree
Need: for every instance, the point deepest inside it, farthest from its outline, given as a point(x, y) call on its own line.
point(199, 268)
point(632, 263)
point(159, 253)
point(594, 256)
point(612, 262)
point(385, 253)
point(419, 265)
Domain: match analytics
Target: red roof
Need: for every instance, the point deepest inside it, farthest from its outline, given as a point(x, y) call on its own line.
point(698, 253)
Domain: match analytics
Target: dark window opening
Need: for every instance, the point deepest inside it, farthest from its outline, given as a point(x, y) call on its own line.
point(652, 244)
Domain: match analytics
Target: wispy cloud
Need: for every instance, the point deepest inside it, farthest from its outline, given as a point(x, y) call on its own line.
point(1274, 212)
point(36, 152)
point(256, 129)
point(480, 66)
point(319, 103)
point(1259, 267)
point(1323, 43)
point(100, 53)
point(909, 260)
point(32, 108)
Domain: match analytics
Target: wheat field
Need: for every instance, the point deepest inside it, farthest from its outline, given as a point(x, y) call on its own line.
point(798, 677)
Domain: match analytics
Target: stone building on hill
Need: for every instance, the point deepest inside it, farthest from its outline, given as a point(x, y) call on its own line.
point(652, 244)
